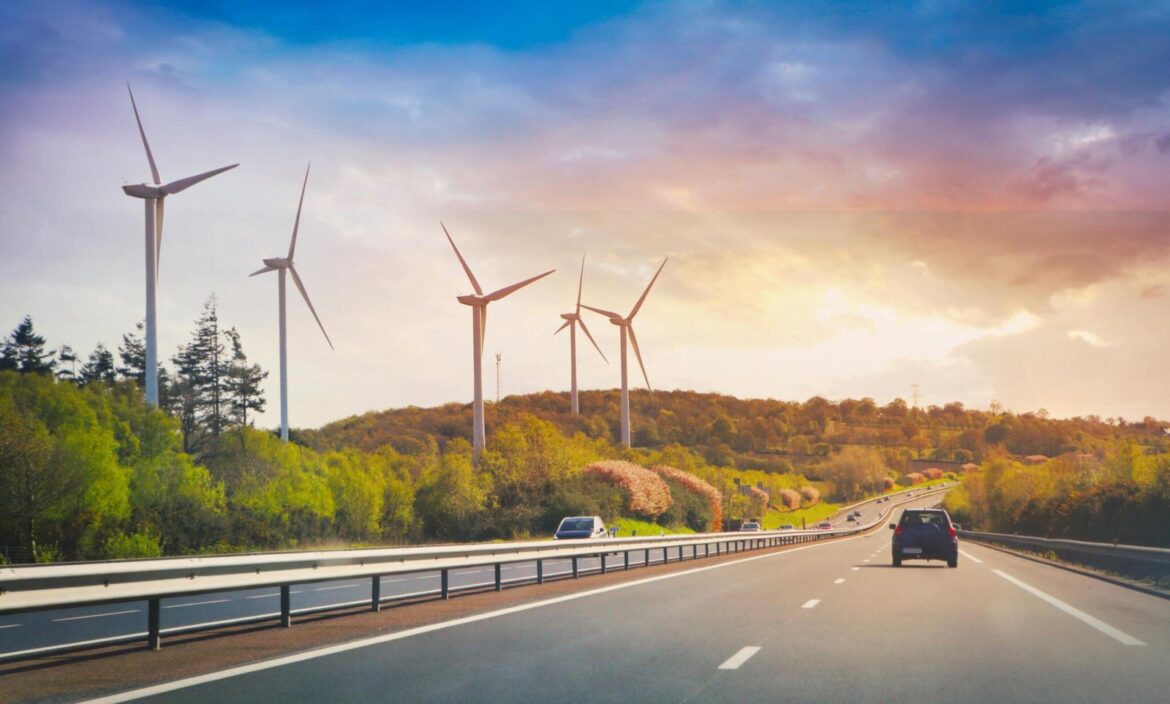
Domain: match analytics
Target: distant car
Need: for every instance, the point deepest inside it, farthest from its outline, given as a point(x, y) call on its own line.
point(573, 527)
point(851, 519)
point(750, 526)
point(787, 526)
point(857, 513)
point(825, 525)
point(925, 534)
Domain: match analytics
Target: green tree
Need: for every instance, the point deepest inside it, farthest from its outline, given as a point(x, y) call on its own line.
point(28, 486)
point(132, 354)
point(66, 355)
point(99, 367)
point(243, 384)
point(24, 351)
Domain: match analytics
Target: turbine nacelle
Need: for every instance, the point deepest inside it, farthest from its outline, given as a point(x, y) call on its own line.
point(570, 316)
point(143, 190)
point(278, 263)
point(471, 300)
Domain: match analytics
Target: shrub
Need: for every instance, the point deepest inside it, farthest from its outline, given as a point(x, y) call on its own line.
point(911, 478)
point(887, 483)
point(932, 473)
point(696, 486)
point(810, 495)
point(648, 495)
point(789, 499)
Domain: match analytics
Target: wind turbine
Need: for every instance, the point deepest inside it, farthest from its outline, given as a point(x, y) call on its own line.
point(282, 265)
point(153, 195)
point(479, 303)
point(626, 325)
point(571, 321)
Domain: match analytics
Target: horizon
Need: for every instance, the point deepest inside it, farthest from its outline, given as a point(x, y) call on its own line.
point(854, 199)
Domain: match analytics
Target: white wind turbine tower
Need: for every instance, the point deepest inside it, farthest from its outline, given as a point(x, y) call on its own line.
point(153, 195)
point(571, 321)
point(282, 265)
point(626, 325)
point(479, 303)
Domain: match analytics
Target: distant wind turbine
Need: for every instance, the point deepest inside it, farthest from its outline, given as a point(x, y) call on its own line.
point(479, 303)
point(626, 325)
point(153, 194)
point(283, 264)
point(571, 321)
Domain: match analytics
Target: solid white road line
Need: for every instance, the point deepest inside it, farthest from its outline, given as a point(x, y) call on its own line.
point(263, 596)
point(11, 625)
point(971, 557)
point(733, 662)
point(839, 580)
point(108, 613)
point(811, 603)
point(1115, 634)
point(420, 630)
point(195, 603)
point(340, 586)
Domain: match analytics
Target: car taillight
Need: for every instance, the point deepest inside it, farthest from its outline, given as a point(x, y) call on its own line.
point(953, 534)
point(898, 530)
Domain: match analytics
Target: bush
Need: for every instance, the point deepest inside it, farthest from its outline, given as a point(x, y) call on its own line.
point(932, 473)
point(810, 495)
point(698, 487)
point(582, 495)
point(648, 495)
point(789, 499)
point(911, 478)
point(144, 543)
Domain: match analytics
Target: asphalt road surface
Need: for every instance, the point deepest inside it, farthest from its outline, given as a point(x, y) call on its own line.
point(830, 622)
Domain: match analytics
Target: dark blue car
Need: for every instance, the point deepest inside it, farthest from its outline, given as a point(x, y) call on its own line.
point(925, 534)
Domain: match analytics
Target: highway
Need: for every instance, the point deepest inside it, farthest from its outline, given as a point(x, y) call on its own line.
point(832, 622)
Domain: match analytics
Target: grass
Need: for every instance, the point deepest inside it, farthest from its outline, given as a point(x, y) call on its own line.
point(627, 526)
point(811, 516)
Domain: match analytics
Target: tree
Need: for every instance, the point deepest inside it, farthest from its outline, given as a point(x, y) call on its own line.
point(132, 352)
point(197, 398)
point(28, 487)
point(66, 354)
point(98, 367)
point(24, 350)
point(242, 384)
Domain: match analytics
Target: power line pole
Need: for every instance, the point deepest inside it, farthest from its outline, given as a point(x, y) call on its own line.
point(498, 355)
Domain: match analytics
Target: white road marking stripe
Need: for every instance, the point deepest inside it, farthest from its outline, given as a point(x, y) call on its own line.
point(263, 596)
point(744, 654)
point(195, 603)
point(11, 625)
point(811, 603)
point(474, 571)
point(1115, 634)
point(971, 557)
point(108, 613)
point(866, 560)
point(340, 586)
point(839, 580)
point(420, 630)
point(855, 569)
point(78, 644)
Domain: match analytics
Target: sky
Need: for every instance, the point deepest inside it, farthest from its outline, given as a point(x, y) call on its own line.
point(854, 197)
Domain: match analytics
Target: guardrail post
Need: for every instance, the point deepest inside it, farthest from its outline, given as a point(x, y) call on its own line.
point(285, 605)
point(603, 565)
point(574, 567)
point(153, 629)
point(665, 557)
point(540, 571)
point(445, 584)
point(627, 554)
point(376, 593)
point(499, 575)
point(647, 557)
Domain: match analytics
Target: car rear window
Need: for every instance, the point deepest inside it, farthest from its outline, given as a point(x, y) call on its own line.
point(577, 524)
point(937, 518)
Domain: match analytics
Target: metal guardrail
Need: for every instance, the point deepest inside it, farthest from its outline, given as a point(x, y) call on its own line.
point(1129, 560)
point(26, 588)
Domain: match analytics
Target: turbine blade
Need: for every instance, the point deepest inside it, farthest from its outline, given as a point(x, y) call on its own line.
point(149, 156)
point(158, 232)
point(558, 332)
point(606, 313)
point(467, 269)
point(301, 287)
point(265, 270)
point(185, 183)
point(482, 328)
point(297, 223)
point(586, 331)
point(497, 295)
point(648, 286)
point(580, 283)
point(638, 354)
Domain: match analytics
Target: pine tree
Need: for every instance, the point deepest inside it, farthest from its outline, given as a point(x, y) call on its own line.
point(132, 352)
point(24, 351)
point(67, 355)
point(243, 384)
point(99, 367)
point(197, 392)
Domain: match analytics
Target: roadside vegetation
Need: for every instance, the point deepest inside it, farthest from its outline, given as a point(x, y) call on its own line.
point(88, 471)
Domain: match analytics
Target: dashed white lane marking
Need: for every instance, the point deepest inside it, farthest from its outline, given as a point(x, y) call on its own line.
point(419, 630)
point(11, 625)
point(733, 662)
point(339, 586)
point(811, 603)
point(839, 580)
point(854, 569)
point(866, 560)
point(108, 613)
point(1115, 634)
point(196, 603)
point(971, 557)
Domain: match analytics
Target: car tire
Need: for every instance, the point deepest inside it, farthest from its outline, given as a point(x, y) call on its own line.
point(953, 562)
point(897, 562)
